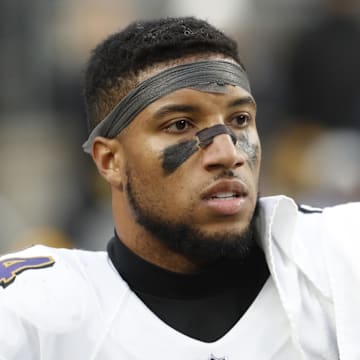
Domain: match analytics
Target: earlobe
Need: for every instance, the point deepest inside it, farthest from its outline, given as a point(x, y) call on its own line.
point(107, 155)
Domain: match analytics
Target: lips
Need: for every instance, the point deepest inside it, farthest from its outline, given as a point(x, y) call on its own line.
point(226, 197)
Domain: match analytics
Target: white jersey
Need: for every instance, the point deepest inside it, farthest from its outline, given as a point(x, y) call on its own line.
point(58, 304)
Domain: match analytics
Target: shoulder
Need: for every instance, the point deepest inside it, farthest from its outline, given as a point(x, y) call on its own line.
point(294, 229)
point(282, 210)
point(341, 234)
point(336, 222)
point(310, 236)
point(344, 215)
point(313, 255)
point(42, 266)
point(52, 287)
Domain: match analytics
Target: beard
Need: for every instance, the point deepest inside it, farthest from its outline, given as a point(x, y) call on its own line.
point(183, 238)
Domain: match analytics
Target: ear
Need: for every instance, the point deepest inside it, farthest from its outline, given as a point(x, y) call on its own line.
point(108, 157)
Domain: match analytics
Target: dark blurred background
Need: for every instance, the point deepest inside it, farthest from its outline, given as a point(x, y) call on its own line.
point(303, 59)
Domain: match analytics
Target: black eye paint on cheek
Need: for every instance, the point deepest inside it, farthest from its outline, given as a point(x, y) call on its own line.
point(251, 150)
point(175, 155)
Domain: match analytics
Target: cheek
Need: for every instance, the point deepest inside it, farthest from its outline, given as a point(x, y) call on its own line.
point(148, 166)
point(165, 197)
point(175, 155)
point(249, 144)
point(142, 162)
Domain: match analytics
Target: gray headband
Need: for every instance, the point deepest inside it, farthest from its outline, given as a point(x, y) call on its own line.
point(209, 76)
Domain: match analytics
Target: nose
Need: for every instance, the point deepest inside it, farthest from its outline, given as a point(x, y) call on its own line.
point(222, 153)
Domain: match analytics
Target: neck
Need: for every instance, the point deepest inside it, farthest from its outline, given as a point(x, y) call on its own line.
point(152, 250)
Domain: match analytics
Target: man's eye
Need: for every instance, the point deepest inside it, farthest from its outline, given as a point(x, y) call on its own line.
point(179, 126)
point(240, 120)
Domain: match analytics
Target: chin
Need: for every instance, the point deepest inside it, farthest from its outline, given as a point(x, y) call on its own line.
point(224, 229)
point(230, 224)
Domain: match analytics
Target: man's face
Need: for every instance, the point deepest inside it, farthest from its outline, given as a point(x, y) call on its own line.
point(210, 192)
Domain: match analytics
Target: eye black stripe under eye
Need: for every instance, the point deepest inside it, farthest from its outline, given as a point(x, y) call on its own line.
point(175, 155)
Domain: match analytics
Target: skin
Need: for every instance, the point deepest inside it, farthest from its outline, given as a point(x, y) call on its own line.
point(137, 156)
point(175, 155)
point(251, 149)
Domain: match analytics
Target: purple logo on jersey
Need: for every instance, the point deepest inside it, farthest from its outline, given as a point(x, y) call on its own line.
point(11, 267)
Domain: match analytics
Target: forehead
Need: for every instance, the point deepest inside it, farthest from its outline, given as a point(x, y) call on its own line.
point(191, 100)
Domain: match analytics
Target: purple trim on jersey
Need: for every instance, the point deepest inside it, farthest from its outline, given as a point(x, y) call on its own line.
point(11, 267)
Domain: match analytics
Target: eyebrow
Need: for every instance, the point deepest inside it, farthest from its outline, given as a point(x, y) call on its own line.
point(173, 108)
point(248, 100)
point(170, 109)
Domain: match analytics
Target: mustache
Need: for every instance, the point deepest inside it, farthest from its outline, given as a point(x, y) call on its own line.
point(226, 174)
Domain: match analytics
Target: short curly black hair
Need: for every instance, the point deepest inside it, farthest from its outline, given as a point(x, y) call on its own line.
point(114, 66)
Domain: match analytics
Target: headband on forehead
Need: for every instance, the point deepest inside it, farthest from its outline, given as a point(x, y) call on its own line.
point(209, 76)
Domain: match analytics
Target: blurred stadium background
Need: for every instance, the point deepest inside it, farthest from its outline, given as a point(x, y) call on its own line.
point(303, 58)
